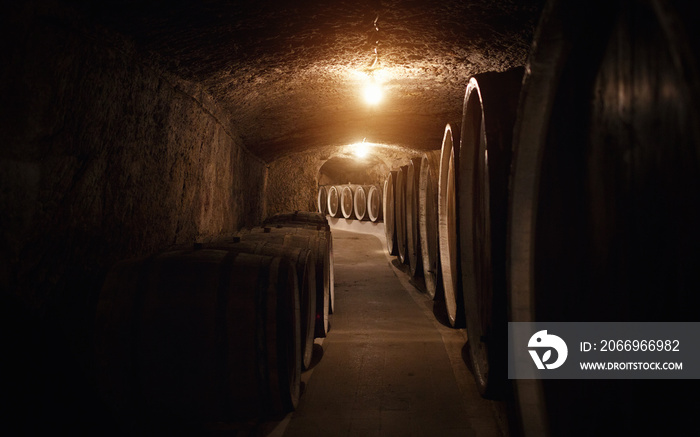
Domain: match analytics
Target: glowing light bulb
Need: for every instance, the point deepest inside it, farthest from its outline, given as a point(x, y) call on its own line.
point(373, 93)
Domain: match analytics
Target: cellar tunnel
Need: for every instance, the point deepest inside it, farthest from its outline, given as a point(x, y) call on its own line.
point(553, 148)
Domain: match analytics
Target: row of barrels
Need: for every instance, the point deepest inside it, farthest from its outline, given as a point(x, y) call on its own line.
point(351, 201)
point(570, 193)
point(219, 331)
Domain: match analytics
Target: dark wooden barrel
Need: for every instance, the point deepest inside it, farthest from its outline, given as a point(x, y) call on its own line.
point(428, 222)
point(322, 200)
point(360, 202)
point(413, 250)
point(334, 201)
point(312, 219)
point(321, 245)
point(199, 336)
point(448, 228)
point(605, 199)
point(389, 205)
point(488, 117)
point(400, 214)
point(303, 260)
point(374, 203)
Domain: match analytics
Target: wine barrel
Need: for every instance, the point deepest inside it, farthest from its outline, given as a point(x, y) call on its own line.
point(322, 200)
point(400, 214)
point(360, 202)
point(303, 259)
point(447, 225)
point(389, 205)
point(320, 243)
point(334, 201)
point(347, 195)
point(488, 117)
point(428, 222)
point(374, 203)
point(312, 219)
point(415, 260)
point(197, 336)
point(605, 199)
point(314, 222)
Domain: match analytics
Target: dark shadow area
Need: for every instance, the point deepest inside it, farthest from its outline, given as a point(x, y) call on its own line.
point(316, 356)
point(440, 312)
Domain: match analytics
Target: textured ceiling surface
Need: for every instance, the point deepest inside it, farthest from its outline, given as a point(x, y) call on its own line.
point(290, 73)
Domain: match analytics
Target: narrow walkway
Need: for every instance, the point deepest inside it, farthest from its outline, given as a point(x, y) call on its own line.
point(388, 368)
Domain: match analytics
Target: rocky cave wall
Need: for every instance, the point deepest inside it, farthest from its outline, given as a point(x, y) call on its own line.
point(104, 157)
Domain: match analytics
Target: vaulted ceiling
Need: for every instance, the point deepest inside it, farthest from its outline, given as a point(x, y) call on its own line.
point(290, 73)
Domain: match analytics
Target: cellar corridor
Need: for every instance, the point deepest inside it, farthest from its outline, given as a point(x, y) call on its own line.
point(388, 367)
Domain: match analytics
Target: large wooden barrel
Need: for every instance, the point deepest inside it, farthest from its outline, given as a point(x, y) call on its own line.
point(413, 251)
point(428, 222)
point(334, 201)
point(488, 117)
point(389, 205)
point(448, 229)
point(321, 245)
point(322, 200)
point(304, 261)
point(312, 219)
point(199, 336)
point(605, 199)
point(347, 196)
point(374, 203)
point(360, 202)
point(400, 214)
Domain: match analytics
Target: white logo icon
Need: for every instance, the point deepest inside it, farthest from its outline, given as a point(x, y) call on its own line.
point(543, 340)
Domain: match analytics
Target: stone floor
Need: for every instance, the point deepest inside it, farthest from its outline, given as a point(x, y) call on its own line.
point(388, 367)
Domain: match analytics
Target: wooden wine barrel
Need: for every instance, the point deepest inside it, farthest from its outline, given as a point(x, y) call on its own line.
point(334, 201)
point(360, 202)
point(322, 200)
point(400, 214)
point(374, 203)
point(347, 195)
point(321, 245)
point(389, 205)
point(312, 219)
point(490, 104)
point(428, 222)
point(303, 259)
point(198, 336)
point(415, 259)
point(605, 199)
point(447, 226)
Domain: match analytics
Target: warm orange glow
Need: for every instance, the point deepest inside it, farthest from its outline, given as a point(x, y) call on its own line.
point(361, 150)
point(373, 93)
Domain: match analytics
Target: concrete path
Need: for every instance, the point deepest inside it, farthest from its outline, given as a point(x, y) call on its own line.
point(387, 367)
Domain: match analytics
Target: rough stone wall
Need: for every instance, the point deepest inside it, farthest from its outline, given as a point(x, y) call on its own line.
point(102, 157)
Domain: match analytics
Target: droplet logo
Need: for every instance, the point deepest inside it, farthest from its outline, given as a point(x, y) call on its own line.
point(543, 341)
